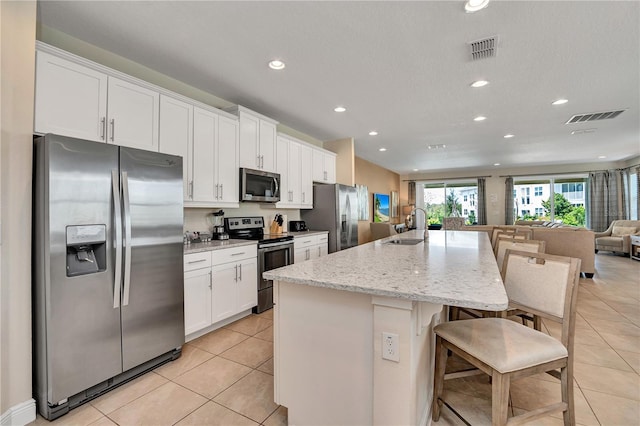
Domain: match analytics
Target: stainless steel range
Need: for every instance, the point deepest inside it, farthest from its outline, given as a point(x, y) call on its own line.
point(274, 251)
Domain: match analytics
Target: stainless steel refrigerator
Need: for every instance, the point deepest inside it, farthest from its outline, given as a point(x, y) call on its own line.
point(335, 208)
point(108, 267)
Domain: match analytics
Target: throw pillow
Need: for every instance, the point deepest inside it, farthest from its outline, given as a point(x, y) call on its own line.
point(619, 231)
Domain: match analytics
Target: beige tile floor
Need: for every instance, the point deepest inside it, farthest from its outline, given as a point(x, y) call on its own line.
point(226, 377)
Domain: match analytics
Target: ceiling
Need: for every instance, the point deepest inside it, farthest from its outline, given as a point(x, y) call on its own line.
point(400, 68)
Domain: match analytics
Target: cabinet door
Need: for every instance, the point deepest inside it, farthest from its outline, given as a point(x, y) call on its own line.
point(175, 138)
point(330, 168)
point(295, 184)
point(197, 300)
point(282, 167)
point(300, 254)
point(318, 166)
point(249, 143)
point(247, 284)
point(71, 100)
point(306, 179)
point(133, 115)
point(267, 146)
point(227, 161)
point(205, 124)
point(224, 292)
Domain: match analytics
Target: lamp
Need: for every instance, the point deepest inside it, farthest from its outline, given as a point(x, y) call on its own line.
point(406, 211)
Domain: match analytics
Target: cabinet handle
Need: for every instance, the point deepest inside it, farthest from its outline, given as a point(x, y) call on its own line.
point(216, 195)
point(196, 261)
point(221, 191)
point(210, 279)
point(319, 251)
point(113, 129)
point(103, 127)
point(262, 161)
point(236, 279)
point(258, 161)
point(236, 254)
point(241, 272)
point(191, 189)
point(303, 196)
point(308, 255)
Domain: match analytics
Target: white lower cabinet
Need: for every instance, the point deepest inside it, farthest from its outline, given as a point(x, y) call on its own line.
point(197, 300)
point(310, 247)
point(224, 284)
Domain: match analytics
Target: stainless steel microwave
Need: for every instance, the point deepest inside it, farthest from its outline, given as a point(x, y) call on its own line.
point(259, 186)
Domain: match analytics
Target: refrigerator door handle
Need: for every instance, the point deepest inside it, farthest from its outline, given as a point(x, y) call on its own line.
point(117, 209)
point(127, 238)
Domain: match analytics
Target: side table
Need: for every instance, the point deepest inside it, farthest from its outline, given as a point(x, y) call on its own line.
point(635, 247)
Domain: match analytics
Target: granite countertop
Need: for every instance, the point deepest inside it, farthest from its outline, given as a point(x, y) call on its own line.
point(215, 245)
point(455, 268)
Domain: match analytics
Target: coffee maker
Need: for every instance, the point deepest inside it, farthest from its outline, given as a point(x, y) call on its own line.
point(217, 226)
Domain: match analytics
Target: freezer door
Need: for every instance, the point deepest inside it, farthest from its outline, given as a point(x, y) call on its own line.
point(347, 217)
point(76, 327)
point(153, 284)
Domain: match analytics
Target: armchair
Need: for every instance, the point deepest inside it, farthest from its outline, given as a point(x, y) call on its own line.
point(617, 237)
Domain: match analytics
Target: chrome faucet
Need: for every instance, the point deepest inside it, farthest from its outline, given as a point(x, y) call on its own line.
point(426, 226)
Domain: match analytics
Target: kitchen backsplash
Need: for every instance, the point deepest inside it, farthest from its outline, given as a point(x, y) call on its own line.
point(195, 219)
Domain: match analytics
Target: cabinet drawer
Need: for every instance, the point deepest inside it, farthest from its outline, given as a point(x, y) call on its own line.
point(197, 260)
point(323, 239)
point(306, 241)
point(234, 254)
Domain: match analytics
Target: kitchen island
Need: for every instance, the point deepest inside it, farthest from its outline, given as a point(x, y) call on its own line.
point(331, 314)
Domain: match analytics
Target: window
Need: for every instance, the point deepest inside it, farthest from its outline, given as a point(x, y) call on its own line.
point(450, 199)
point(633, 196)
point(560, 199)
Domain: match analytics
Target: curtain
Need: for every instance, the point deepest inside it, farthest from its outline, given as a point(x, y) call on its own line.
point(508, 201)
point(638, 192)
point(605, 199)
point(482, 202)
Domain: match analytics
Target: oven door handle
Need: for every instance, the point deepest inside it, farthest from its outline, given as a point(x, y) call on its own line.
point(279, 244)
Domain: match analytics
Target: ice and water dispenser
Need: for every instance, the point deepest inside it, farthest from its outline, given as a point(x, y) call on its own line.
point(86, 249)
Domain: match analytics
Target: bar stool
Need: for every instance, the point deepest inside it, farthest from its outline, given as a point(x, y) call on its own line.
point(545, 285)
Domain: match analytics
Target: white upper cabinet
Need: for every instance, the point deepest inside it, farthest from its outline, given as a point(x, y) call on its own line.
point(226, 164)
point(176, 136)
point(306, 179)
point(324, 166)
point(294, 161)
point(215, 160)
point(205, 127)
point(133, 113)
point(77, 101)
point(71, 99)
point(257, 140)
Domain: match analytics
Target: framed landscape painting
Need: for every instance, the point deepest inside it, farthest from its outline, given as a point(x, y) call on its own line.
point(381, 207)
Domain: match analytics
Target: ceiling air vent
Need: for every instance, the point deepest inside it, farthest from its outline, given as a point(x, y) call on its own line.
point(594, 116)
point(485, 48)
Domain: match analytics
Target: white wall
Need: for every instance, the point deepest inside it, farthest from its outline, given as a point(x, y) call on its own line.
point(495, 183)
point(17, 41)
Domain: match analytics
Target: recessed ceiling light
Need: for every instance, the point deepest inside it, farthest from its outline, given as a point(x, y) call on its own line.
point(602, 156)
point(276, 65)
point(559, 102)
point(480, 118)
point(438, 146)
point(496, 164)
point(508, 136)
point(340, 109)
point(475, 5)
point(415, 170)
point(373, 133)
point(382, 149)
point(479, 83)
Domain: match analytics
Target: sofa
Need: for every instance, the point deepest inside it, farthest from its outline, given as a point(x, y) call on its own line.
point(617, 237)
point(565, 240)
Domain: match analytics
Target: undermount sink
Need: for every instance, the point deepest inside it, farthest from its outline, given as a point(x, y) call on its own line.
point(405, 241)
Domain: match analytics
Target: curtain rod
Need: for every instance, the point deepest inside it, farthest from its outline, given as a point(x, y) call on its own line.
point(443, 179)
point(565, 173)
